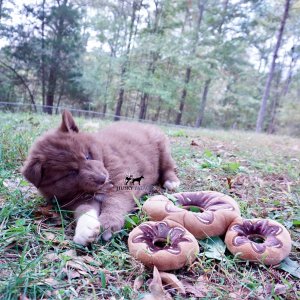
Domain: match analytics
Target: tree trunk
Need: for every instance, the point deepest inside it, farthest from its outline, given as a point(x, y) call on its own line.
point(104, 109)
point(24, 83)
point(183, 96)
point(108, 81)
point(281, 92)
point(156, 116)
point(169, 115)
point(134, 105)
point(135, 7)
point(119, 104)
point(143, 106)
point(200, 117)
point(51, 90)
point(189, 68)
point(274, 105)
point(290, 72)
point(52, 79)
point(43, 56)
point(1, 6)
point(62, 88)
point(151, 66)
point(263, 106)
point(224, 13)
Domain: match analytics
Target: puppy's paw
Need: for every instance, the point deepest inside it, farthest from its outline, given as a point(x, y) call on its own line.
point(171, 184)
point(87, 228)
point(110, 224)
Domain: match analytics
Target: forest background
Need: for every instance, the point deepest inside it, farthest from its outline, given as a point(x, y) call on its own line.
point(217, 64)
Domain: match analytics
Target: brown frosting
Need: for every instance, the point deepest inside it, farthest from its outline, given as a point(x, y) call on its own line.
point(204, 214)
point(166, 245)
point(261, 240)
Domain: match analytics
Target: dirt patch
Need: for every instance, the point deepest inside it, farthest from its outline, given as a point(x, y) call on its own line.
point(19, 184)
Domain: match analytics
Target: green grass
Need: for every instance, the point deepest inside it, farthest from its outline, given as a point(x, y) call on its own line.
point(39, 260)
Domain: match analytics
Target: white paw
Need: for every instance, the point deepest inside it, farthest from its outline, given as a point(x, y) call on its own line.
point(171, 185)
point(87, 228)
point(106, 235)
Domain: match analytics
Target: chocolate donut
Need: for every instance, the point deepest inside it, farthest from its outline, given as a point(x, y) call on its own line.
point(262, 240)
point(204, 214)
point(162, 244)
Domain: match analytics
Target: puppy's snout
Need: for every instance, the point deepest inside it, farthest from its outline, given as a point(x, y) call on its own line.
point(100, 179)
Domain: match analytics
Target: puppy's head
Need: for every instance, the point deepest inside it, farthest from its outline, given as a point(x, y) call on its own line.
point(66, 163)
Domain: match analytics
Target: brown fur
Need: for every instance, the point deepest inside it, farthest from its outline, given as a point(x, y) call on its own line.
point(83, 170)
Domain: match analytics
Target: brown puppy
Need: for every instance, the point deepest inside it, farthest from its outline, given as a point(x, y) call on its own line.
point(87, 172)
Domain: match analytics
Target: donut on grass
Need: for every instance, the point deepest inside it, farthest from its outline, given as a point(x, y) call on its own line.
point(262, 240)
point(166, 245)
point(204, 214)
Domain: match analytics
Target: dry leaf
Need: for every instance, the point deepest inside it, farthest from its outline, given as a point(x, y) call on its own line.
point(280, 289)
point(71, 253)
point(51, 257)
point(172, 280)
point(52, 282)
point(46, 211)
point(138, 282)
point(23, 297)
point(2, 201)
point(241, 293)
point(76, 266)
point(194, 289)
point(156, 288)
point(71, 274)
point(88, 259)
point(49, 235)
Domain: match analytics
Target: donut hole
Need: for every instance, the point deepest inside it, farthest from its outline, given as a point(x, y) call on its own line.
point(257, 238)
point(193, 208)
point(161, 243)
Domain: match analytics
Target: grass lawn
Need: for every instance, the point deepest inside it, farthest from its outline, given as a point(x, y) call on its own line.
point(38, 259)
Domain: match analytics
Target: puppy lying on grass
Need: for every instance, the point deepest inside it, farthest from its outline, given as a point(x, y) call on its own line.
point(86, 171)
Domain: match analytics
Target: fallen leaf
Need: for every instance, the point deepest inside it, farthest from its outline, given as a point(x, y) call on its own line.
point(214, 247)
point(70, 253)
point(229, 182)
point(49, 236)
point(76, 266)
point(291, 267)
point(46, 211)
point(156, 288)
point(239, 295)
point(52, 282)
point(23, 297)
point(51, 257)
point(89, 260)
point(194, 289)
point(280, 289)
point(2, 201)
point(172, 280)
point(138, 282)
point(71, 274)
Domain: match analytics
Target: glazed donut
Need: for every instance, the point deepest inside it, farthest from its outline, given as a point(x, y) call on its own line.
point(216, 211)
point(262, 240)
point(164, 245)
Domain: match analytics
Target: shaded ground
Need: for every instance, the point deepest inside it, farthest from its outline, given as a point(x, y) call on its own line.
point(39, 260)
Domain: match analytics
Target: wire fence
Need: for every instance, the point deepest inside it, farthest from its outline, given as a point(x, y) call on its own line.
point(16, 107)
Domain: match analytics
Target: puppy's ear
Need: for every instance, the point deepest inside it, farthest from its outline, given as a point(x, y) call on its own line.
point(68, 124)
point(32, 171)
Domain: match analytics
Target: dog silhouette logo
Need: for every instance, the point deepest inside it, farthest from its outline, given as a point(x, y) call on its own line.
point(130, 184)
point(137, 179)
point(129, 179)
